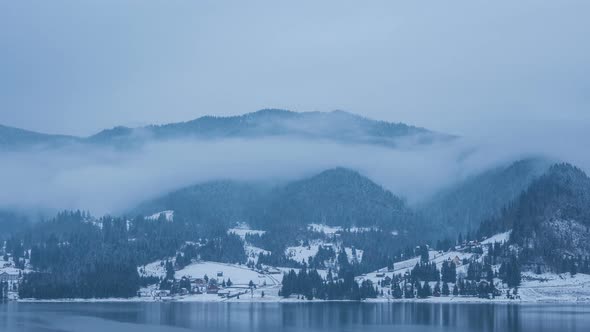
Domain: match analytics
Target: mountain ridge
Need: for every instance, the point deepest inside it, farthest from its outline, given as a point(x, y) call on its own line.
point(465, 205)
point(336, 125)
point(550, 221)
point(336, 196)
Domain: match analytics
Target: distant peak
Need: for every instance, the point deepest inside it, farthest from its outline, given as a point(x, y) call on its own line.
point(118, 130)
point(271, 111)
point(566, 170)
point(339, 173)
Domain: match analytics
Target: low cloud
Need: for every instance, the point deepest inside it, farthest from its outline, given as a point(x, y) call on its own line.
point(105, 180)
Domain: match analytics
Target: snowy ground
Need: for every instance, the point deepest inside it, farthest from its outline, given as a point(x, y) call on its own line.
point(500, 238)
point(407, 265)
point(8, 266)
point(240, 275)
point(351, 257)
point(331, 230)
point(545, 287)
point(253, 252)
point(323, 273)
point(302, 253)
point(549, 287)
point(154, 269)
point(8, 269)
point(242, 229)
point(535, 288)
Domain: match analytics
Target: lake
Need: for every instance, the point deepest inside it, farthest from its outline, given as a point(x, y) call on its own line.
point(308, 317)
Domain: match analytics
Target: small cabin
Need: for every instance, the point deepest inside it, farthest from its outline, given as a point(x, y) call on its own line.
point(212, 289)
point(5, 276)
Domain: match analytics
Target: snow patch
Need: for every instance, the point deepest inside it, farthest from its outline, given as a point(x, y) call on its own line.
point(500, 238)
point(153, 269)
point(242, 229)
point(352, 258)
point(302, 253)
point(331, 230)
point(168, 215)
point(253, 252)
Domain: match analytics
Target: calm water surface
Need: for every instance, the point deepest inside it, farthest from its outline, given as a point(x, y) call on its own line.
point(308, 317)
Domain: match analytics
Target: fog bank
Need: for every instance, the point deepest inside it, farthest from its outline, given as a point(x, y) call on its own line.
point(105, 180)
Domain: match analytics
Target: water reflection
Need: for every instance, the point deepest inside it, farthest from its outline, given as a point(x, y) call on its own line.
point(308, 317)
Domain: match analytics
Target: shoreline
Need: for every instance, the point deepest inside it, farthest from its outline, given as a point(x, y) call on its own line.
point(433, 300)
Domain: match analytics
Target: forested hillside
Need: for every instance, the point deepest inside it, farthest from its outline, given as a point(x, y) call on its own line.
point(338, 196)
point(464, 206)
point(217, 202)
point(11, 221)
point(337, 126)
point(333, 216)
point(76, 255)
point(550, 221)
point(11, 138)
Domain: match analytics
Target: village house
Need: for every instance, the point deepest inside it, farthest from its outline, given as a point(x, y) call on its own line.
point(386, 281)
point(212, 289)
point(199, 285)
point(5, 276)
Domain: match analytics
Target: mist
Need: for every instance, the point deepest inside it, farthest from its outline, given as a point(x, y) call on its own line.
point(105, 180)
point(510, 78)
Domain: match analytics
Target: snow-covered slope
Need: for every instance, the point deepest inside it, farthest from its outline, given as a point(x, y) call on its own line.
point(168, 215)
point(239, 275)
point(242, 229)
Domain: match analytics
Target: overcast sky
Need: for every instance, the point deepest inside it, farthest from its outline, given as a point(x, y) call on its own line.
point(465, 67)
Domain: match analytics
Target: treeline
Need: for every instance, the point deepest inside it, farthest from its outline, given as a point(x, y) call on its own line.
point(3, 290)
point(310, 285)
point(380, 248)
point(89, 262)
point(75, 256)
point(225, 248)
point(556, 203)
point(277, 238)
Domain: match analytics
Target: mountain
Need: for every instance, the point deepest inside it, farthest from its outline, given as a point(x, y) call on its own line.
point(15, 138)
point(334, 197)
point(215, 202)
point(465, 205)
point(335, 126)
point(11, 222)
point(339, 197)
point(551, 219)
point(338, 126)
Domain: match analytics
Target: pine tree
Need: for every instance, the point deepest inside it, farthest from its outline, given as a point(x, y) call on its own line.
point(424, 256)
point(397, 291)
point(445, 289)
point(169, 270)
point(426, 290)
